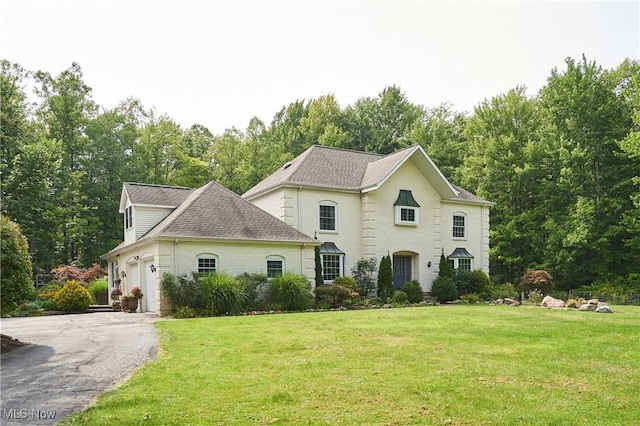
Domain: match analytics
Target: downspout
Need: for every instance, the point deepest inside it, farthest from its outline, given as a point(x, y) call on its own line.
point(299, 208)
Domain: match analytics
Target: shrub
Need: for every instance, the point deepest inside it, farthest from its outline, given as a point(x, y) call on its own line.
point(400, 297)
point(385, 279)
point(445, 267)
point(362, 273)
point(73, 297)
point(536, 279)
point(183, 290)
point(49, 291)
point(335, 295)
point(290, 292)
point(346, 282)
point(484, 284)
point(253, 286)
point(535, 297)
point(48, 304)
point(97, 286)
point(444, 289)
point(222, 294)
point(413, 291)
point(185, 312)
point(15, 263)
point(506, 290)
point(470, 298)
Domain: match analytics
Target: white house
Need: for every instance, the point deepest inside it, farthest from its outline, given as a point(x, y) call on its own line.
point(356, 205)
point(181, 230)
point(364, 205)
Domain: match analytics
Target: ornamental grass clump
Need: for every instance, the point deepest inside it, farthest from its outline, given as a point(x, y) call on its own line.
point(290, 292)
point(73, 297)
point(223, 294)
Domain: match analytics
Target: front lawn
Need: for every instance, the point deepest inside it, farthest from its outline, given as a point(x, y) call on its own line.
point(460, 365)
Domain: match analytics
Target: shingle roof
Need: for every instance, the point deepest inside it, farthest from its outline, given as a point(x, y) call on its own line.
point(323, 167)
point(156, 195)
point(214, 211)
point(333, 168)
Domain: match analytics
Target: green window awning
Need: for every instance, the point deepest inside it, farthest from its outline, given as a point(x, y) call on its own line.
point(460, 253)
point(330, 248)
point(405, 198)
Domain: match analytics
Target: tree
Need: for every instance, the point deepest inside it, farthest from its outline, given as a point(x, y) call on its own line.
point(445, 267)
point(15, 263)
point(502, 166)
point(318, 268)
point(587, 201)
point(385, 279)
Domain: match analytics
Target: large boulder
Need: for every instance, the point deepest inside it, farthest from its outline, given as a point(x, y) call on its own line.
point(587, 307)
point(604, 309)
point(550, 302)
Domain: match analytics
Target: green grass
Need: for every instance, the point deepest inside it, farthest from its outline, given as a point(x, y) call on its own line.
point(460, 365)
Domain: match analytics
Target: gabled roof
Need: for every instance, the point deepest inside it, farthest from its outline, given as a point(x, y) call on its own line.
point(143, 194)
point(214, 211)
point(339, 169)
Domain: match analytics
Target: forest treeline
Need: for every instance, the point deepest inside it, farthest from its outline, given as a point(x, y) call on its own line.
point(562, 165)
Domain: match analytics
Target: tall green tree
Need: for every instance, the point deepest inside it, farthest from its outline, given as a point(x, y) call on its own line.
point(503, 166)
point(385, 279)
point(588, 118)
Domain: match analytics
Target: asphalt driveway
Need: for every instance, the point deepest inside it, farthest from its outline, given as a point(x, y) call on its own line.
point(71, 360)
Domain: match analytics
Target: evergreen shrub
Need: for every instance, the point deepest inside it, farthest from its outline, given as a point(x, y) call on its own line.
point(73, 297)
point(444, 289)
point(414, 291)
point(399, 297)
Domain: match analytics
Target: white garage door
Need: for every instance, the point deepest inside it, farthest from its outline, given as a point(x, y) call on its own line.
point(149, 290)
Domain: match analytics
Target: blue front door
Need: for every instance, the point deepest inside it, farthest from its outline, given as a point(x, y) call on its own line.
point(401, 270)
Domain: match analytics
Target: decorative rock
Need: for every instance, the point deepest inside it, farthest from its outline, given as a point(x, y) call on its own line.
point(587, 307)
point(604, 309)
point(508, 301)
point(593, 302)
point(550, 302)
point(514, 303)
point(499, 302)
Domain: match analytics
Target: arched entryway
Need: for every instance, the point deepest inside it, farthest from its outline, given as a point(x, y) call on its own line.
point(404, 267)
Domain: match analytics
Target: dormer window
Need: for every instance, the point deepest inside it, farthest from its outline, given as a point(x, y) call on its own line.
point(407, 209)
point(128, 217)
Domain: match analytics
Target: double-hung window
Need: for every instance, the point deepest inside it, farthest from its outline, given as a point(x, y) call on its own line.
point(275, 266)
point(128, 217)
point(332, 261)
point(207, 264)
point(459, 225)
point(328, 221)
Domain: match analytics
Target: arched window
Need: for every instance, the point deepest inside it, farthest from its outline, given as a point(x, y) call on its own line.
point(207, 263)
point(459, 230)
point(275, 266)
point(328, 216)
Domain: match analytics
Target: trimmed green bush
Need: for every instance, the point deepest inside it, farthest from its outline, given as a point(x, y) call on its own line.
point(414, 291)
point(290, 292)
point(73, 297)
point(222, 293)
point(444, 289)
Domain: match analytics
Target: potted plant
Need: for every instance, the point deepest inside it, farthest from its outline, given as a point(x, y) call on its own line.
point(116, 306)
point(115, 294)
point(131, 300)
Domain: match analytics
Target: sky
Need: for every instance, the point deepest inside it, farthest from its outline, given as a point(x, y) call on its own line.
point(219, 63)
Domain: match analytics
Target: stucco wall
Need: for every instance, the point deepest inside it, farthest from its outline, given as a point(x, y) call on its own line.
point(477, 229)
point(234, 258)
